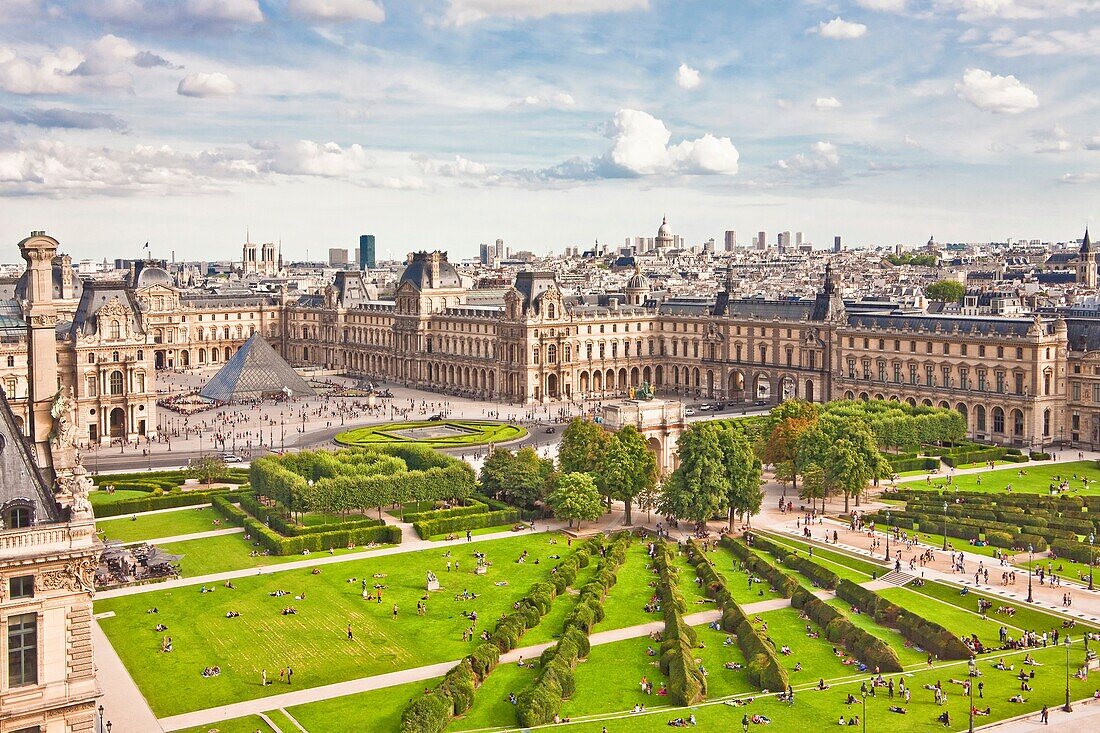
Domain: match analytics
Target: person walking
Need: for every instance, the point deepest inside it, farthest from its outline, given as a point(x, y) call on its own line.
point(350, 637)
point(1044, 716)
point(289, 674)
point(263, 678)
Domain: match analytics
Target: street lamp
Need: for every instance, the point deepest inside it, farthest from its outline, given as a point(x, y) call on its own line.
point(1067, 707)
point(970, 690)
point(945, 526)
point(864, 712)
point(1030, 569)
point(888, 535)
point(1092, 541)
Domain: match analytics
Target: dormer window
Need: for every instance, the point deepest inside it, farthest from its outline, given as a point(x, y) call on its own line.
point(18, 514)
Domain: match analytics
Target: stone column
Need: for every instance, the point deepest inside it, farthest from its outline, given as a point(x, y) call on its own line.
point(41, 316)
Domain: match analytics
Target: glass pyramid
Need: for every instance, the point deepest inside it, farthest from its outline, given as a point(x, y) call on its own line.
point(254, 371)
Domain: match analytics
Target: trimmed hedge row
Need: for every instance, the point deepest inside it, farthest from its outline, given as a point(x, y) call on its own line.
point(762, 664)
point(277, 544)
point(432, 712)
point(821, 576)
point(277, 521)
point(686, 683)
point(539, 704)
point(926, 634)
point(783, 584)
point(152, 503)
point(976, 456)
point(472, 507)
point(839, 629)
point(901, 465)
point(428, 528)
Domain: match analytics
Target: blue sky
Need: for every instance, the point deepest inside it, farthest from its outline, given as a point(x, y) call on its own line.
point(445, 123)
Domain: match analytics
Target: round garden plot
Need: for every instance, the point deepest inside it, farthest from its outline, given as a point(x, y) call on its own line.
point(437, 434)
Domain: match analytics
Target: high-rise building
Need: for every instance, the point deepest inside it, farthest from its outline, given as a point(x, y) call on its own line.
point(783, 241)
point(761, 241)
point(366, 252)
point(337, 256)
point(731, 240)
point(500, 249)
point(798, 239)
point(485, 253)
point(836, 244)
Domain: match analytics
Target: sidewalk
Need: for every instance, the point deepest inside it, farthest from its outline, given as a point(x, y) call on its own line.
point(123, 704)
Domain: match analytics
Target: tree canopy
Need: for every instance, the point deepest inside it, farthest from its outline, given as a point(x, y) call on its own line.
point(575, 497)
point(627, 468)
point(947, 291)
point(582, 445)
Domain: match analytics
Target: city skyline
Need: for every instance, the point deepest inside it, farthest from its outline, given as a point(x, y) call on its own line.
point(448, 124)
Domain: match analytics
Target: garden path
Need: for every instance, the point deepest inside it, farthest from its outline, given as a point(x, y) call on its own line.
point(123, 704)
point(186, 537)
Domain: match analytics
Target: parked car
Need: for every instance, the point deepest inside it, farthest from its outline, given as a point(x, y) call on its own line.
point(551, 430)
point(231, 458)
point(689, 412)
point(704, 407)
point(760, 403)
point(436, 418)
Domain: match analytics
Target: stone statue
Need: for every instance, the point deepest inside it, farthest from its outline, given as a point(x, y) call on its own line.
point(73, 485)
point(645, 392)
point(433, 581)
point(63, 411)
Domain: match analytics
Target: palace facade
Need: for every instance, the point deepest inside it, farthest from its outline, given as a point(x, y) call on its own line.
point(1028, 381)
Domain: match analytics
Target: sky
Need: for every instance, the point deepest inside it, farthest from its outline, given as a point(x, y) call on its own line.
point(441, 124)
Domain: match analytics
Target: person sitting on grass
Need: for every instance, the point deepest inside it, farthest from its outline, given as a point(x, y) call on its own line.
point(853, 721)
point(1017, 698)
point(944, 718)
point(821, 684)
point(977, 711)
point(761, 719)
point(734, 665)
point(898, 709)
point(850, 700)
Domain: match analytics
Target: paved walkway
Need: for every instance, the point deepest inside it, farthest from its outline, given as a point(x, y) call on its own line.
point(186, 537)
point(123, 704)
point(1085, 717)
point(190, 507)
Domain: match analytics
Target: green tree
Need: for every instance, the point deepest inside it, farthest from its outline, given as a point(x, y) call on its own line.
point(742, 473)
point(814, 486)
point(699, 488)
point(947, 291)
point(780, 449)
point(576, 498)
point(526, 477)
point(494, 471)
point(627, 468)
point(582, 445)
point(207, 469)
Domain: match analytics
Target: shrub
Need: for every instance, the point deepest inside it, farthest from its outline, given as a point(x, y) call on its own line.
point(429, 713)
point(924, 633)
point(429, 528)
point(152, 503)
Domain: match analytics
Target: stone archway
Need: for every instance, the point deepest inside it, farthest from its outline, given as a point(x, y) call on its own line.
point(762, 387)
point(655, 447)
point(552, 385)
point(736, 388)
point(788, 389)
point(809, 390)
point(118, 423)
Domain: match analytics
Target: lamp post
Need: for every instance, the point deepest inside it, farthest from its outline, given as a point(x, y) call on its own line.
point(970, 690)
point(945, 526)
point(1092, 542)
point(99, 721)
point(1067, 707)
point(865, 712)
point(1030, 551)
point(887, 535)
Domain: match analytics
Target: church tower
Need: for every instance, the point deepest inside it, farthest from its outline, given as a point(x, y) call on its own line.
point(1086, 263)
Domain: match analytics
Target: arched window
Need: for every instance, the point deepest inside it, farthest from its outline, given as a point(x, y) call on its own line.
point(551, 353)
point(116, 330)
point(1046, 423)
point(18, 514)
point(1017, 423)
point(551, 311)
point(116, 382)
point(979, 417)
point(998, 420)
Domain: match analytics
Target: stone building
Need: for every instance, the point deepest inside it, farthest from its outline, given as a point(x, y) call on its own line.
point(48, 547)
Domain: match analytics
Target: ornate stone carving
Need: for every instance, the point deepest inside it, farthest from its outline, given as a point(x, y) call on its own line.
point(63, 412)
point(77, 575)
point(43, 320)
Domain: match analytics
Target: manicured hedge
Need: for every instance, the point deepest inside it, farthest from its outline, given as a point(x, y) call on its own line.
point(821, 576)
point(1072, 550)
point(926, 634)
point(429, 528)
point(152, 503)
point(432, 712)
point(539, 704)
point(975, 456)
point(277, 544)
point(839, 629)
point(686, 683)
point(472, 507)
point(762, 664)
point(783, 584)
point(275, 518)
point(901, 465)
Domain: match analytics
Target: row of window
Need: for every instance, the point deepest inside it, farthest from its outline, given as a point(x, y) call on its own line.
point(945, 379)
point(1000, 351)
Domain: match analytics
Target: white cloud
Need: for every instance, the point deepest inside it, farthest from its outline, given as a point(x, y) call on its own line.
point(1002, 94)
point(839, 29)
point(687, 77)
point(1080, 178)
point(308, 158)
point(556, 99)
point(1005, 42)
point(207, 85)
point(232, 11)
point(1093, 143)
point(979, 10)
point(101, 64)
point(1053, 140)
point(823, 159)
point(461, 12)
point(403, 183)
point(459, 167)
point(338, 11)
point(639, 148)
point(887, 6)
point(826, 103)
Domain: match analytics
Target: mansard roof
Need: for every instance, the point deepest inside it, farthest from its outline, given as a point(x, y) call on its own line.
point(20, 480)
point(916, 322)
point(96, 295)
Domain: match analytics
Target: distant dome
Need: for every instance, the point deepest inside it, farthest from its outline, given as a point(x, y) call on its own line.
point(637, 281)
point(152, 275)
point(664, 232)
point(430, 270)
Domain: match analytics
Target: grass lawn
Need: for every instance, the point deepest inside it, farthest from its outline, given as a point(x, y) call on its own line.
point(313, 641)
point(907, 655)
point(100, 498)
point(483, 530)
point(1063, 568)
point(1037, 479)
point(437, 434)
point(226, 552)
point(635, 584)
point(163, 524)
point(1027, 617)
point(845, 565)
point(738, 582)
point(960, 621)
point(378, 710)
point(819, 710)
